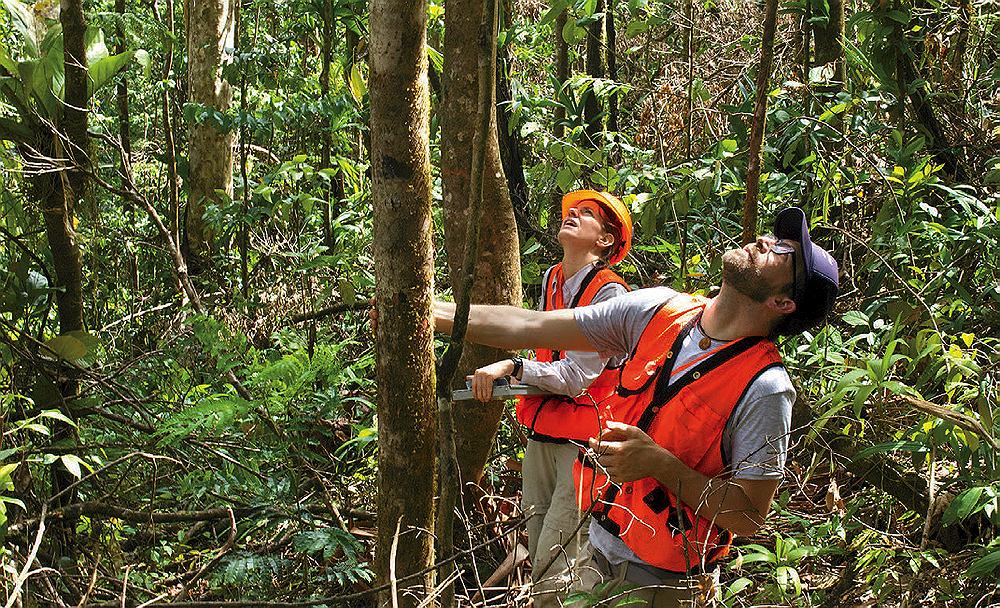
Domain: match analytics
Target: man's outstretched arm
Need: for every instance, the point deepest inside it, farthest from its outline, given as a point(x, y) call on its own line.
point(514, 328)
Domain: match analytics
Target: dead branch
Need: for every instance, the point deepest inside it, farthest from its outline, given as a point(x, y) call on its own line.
point(361, 304)
point(218, 556)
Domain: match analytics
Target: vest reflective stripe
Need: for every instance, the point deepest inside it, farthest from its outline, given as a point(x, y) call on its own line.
point(648, 518)
point(560, 417)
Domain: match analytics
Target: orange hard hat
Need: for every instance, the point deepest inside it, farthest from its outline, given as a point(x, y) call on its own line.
point(616, 213)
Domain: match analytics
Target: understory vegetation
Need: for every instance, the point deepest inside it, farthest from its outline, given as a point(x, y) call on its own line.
point(225, 450)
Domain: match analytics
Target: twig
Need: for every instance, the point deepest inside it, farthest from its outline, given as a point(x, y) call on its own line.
point(26, 572)
point(93, 581)
point(336, 599)
point(361, 304)
point(222, 553)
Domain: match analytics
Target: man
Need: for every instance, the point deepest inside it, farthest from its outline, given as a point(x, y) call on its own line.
point(596, 232)
point(703, 406)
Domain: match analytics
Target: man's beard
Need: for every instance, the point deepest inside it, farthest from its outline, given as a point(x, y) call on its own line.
point(740, 272)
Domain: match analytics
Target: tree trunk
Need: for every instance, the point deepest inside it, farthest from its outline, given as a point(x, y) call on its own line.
point(121, 97)
point(510, 147)
point(404, 262)
point(595, 69)
point(498, 271)
point(759, 120)
point(609, 20)
point(211, 28)
point(562, 71)
point(830, 49)
point(326, 141)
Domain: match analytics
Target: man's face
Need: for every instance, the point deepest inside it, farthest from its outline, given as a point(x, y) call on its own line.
point(757, 271)
point(584, 223)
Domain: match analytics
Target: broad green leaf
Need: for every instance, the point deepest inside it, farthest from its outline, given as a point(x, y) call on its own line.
point(984, 565)
point(142, 56)
point(357, 84)
point(57, 415)
point(892, 446)
point(635, 28)
point(850, 378)
point(5, 472)
point(102, 71)
point(66, 347)
point(6, 62)
point(72, 464)
point(558, 6)
point(347, 293)
point(573, 34)
point(94, 43)
point(962, 506)
point(23, 20)
point(855, 318)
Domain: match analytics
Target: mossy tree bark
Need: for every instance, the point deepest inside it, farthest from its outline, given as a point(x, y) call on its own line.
point(211, 28)
point(498, 270)
point(402, 250)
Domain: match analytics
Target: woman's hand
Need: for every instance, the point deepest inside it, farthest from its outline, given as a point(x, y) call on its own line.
point(482, 380)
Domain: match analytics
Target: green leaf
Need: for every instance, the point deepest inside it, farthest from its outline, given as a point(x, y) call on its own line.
point(558, 6)
point(357, 84)
point(850, 378)
point(93, 41)
point(57, 415)
point(65, 347)
point(38, 428)
point(984, 565)
point(346, 288)
point(102, 71)
point(23, 20)
point(573, 34)
point(72, 463)
point(855, 318)
point(892, 446)
point(5, 472)
point(962, 506)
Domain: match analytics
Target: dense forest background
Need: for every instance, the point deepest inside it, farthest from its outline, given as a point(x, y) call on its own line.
point(191, 413)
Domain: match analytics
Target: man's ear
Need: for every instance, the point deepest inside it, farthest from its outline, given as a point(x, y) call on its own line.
point(781, 303)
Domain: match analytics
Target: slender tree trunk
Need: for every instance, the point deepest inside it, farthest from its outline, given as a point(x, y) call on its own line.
point(211, 28)
point(830, 49)
point(609, 20)
point(595, 69)
point(121, 93)
point(510, 146)
point(759, 120)
point(498, 271)
point(326, 143)
point(562, 71)
point(404, 263)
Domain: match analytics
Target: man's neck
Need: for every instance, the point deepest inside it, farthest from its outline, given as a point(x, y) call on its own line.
point(731, 316)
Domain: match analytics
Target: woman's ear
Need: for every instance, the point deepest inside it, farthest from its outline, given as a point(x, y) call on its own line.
point(606, 240)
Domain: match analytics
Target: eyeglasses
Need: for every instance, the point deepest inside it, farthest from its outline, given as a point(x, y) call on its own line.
point(783, 248)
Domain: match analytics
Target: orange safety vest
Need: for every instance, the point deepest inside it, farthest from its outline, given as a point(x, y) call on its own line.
point(558, 418)
point(686, 417)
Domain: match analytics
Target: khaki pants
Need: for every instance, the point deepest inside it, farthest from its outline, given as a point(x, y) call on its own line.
point(651, 590)
point(548, 501)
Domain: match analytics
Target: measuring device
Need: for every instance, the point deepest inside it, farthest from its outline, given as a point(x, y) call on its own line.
point(502, 388)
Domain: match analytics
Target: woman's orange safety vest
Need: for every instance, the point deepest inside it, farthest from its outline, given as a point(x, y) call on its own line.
point(558, 418)
point(687, 417)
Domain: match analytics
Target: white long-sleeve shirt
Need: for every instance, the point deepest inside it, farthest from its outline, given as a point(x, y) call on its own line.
point(575, 370)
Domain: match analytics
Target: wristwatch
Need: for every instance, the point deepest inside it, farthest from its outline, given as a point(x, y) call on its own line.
point(518, 364)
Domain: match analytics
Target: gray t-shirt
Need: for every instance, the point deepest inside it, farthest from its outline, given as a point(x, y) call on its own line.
point(755, 440)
